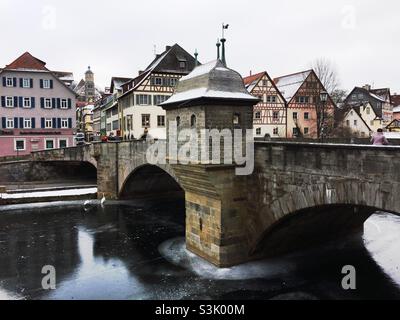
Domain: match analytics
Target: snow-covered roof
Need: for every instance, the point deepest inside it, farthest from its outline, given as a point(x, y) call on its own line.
point(396, 109)
point(213, 81)
point(289, 85)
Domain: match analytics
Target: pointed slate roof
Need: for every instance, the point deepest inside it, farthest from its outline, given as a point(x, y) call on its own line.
point(211, 81)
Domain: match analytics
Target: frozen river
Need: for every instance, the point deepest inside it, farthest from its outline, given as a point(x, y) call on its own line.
point(135, 250)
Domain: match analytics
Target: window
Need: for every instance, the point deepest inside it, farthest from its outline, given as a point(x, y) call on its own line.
point(62, 143)
point(182, 64)
point(114, 111)
point(48, 123)
point(236, 118)
point(161, 121)
point(306, 130)
point(367, 110)
point(9, 82)
point(64, 104)
point(10, 123)
point(348, 123)
point(27, 102)
point(27, 123)
point(257, 115)
point(302, 99)
point(371, 122)
point(295, 132)
point(158, 81)
point(46, 84)
point(64, 123)
point(49, 144)
point(145, 120)
point(306, 115)
point(9, 102)
point(355, 122)
point(108, 127)
point(159, 99)
point(295, 115)
point(271, 99)
point(26, 83)
point(143, 99)
point(275, 115)
point(178, 121)
point(115, 125)
point(275, 131)
point(258, 131)
point(47, 103)
point(193, 121)
point(173, 82)
point(264, 82)
point(19, 145)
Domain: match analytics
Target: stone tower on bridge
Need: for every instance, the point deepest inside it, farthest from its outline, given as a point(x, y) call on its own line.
point(212, 97)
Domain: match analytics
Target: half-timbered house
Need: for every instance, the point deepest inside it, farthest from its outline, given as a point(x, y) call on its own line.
point(269, 118)
point(139, 102)
point(302, 94)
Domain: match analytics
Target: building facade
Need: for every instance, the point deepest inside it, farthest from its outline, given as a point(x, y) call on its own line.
point(37, 108)
point(270, 113)
point(362, 120)
point(302, 94)
point(139, 103)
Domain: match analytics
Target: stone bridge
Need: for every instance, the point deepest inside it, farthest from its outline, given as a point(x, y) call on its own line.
point(299, 194)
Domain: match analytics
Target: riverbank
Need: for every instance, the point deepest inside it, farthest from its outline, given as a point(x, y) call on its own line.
point(47, 193)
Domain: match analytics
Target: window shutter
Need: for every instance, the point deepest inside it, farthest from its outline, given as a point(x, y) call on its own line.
point(21, 102)
point(21, 123)
point(42, 103)
point(3, 122)
point(33, 123)
point(69, 123)
point(58, 103)
point(31, 81)
point(33, 102)
point(69, 103)
point(137, 100)
point(42, 122)
point(3, 101)
point(54, 122)
point(4, 82)
point(58, 122)
point(149, 99)
point(15, 123)
point(21, 82)
point(15, 82)
point(16, 102)
point(51, 84)
point(41, 83)
point(53, 103)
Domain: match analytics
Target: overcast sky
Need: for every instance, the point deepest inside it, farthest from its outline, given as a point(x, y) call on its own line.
point(117, 38)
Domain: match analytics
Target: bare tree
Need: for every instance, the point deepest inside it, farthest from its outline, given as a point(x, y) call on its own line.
point(326, 72)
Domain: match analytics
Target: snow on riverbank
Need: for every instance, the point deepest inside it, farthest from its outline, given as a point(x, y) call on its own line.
point(42, 194)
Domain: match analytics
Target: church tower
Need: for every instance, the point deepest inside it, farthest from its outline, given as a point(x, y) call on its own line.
point(89, 86)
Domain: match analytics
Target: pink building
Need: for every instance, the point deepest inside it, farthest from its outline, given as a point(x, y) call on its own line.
point(36, 108)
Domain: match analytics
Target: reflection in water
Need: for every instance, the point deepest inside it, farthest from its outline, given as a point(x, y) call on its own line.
point(135, 250)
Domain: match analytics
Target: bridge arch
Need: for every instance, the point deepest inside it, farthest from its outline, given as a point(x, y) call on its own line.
point(311, 215)
point(150, 180)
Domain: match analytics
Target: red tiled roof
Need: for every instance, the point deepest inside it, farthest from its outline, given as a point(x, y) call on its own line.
point(250, 79)
point(27, 61)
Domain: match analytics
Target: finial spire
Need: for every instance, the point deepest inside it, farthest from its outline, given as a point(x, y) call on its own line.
point(223, 40)
point(195, 55)
point(218, 45)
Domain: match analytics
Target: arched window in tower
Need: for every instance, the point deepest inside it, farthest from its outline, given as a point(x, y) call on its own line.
point(193, 121)
point(178, 121)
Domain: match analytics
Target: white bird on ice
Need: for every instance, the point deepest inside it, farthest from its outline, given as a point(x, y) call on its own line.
point(103, 200)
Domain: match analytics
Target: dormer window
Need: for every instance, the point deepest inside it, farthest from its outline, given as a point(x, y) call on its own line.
point(182, 64)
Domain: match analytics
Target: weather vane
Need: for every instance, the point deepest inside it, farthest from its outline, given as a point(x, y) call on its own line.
point(224, 27)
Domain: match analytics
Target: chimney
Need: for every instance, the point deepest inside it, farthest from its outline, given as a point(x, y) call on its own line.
point(367, 87)
point(140, 72)
point(250, 72)
point(167, 48)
